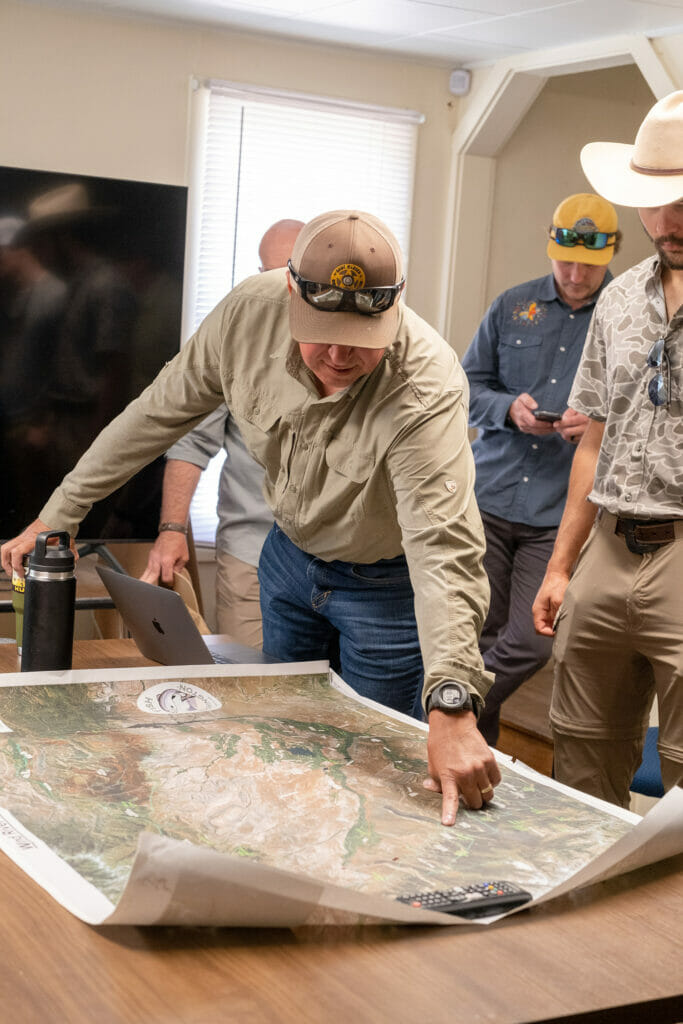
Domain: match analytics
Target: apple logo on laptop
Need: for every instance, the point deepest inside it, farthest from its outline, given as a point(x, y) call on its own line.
point(157, 625)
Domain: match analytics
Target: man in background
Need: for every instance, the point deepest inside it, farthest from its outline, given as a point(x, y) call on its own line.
point(244, 519)
point(619, 622)
point(520, 366)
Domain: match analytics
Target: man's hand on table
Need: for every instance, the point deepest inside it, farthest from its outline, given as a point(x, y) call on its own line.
point(461, 764)
point(13, 551)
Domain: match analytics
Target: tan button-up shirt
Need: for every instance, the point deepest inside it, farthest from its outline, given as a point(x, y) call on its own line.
point(379, 468)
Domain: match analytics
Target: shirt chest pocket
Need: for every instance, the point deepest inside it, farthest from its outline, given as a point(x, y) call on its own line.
point(258, 426)
point(519, 359)
point(349, 475)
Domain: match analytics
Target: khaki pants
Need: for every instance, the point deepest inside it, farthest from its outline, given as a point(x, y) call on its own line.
point(238, 608)
point(619, 643)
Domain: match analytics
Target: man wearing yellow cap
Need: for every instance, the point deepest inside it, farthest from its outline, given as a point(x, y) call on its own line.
point(619, 621)
point(356, 409)
point(521, 365)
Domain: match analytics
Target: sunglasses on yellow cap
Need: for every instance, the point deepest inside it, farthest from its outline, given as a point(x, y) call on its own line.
point(330, 299)
point(588, 239)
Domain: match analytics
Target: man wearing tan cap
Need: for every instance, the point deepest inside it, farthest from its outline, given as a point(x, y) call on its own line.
point(619, 622)
point(356, 409)
point(521, 365)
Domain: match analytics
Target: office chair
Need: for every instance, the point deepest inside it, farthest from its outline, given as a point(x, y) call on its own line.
point(648, 778)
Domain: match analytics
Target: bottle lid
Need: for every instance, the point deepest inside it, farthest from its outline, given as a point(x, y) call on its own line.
point(54, 557)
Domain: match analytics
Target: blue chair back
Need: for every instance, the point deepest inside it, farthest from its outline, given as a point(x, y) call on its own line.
point(648, 778)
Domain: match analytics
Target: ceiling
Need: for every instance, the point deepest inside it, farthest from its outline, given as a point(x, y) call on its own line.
point(457, 33)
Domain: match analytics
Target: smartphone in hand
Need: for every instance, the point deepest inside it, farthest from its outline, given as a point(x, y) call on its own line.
point(546, 415)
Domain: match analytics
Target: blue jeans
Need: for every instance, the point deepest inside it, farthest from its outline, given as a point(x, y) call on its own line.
point(359, 617)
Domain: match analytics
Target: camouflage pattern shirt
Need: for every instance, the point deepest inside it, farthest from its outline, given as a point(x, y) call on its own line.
point(640, 465)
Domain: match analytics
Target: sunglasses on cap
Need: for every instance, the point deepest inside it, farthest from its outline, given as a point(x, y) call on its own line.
point(588, 239)
point(330, 299)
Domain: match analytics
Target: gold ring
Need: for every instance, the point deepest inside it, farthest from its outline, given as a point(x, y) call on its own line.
point(489, 789)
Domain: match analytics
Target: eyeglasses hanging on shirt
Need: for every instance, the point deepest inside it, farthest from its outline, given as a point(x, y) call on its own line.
point(659, 388)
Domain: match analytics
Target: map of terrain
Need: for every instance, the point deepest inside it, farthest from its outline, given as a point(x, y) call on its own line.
point(280, 769)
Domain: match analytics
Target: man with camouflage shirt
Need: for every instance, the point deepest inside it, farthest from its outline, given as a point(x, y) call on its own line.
point(619, 621)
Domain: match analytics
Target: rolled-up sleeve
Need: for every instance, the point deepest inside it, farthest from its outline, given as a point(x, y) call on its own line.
point(201, 444)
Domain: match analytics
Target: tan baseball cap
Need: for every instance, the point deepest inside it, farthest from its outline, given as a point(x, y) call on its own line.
point(350, 250)
point(584, 213)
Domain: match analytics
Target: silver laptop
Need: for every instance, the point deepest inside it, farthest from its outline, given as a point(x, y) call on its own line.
point(163, 629)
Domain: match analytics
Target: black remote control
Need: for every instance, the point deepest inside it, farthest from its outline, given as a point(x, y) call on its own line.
point(481, 900)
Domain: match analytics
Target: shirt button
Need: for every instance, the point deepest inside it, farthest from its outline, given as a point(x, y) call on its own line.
point(562, 348)
point(518, 342)
point(553, 380)
point(627, 497)
point(571, 316)
point(525, 479)
point(304, 446)
point(534, 446)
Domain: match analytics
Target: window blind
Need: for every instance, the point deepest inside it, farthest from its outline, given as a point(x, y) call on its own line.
point(263, 156)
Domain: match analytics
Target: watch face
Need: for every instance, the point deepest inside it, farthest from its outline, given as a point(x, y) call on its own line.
point(451, 695)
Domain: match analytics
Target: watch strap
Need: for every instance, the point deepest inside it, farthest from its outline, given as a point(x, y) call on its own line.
point(174, 527)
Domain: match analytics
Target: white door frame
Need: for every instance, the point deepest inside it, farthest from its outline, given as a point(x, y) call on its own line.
point(497, 105)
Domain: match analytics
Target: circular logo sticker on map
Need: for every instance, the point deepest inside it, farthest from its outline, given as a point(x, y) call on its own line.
point(176, 698)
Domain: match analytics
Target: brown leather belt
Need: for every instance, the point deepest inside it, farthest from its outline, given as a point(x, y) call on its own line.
point(645, 535)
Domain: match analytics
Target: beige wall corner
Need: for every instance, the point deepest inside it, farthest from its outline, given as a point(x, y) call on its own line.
point(530, 117)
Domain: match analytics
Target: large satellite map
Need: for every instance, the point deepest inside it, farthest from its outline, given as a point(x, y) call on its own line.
point(285, 770)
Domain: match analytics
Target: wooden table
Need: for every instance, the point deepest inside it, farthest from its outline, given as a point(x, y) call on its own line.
point(616, 948)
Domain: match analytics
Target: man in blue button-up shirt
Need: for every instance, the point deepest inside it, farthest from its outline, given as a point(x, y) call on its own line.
point(522, 362)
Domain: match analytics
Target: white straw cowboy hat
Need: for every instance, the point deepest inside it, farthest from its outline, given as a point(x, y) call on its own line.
point(649, 173)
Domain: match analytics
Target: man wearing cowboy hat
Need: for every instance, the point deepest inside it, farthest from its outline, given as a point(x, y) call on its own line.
point(356, 409)
point(619, 622)
point(522, 362)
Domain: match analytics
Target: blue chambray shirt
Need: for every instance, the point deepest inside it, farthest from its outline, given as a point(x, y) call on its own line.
point(529, 340)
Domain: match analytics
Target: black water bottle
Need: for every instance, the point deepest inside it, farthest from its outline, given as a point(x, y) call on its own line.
point(49, 605)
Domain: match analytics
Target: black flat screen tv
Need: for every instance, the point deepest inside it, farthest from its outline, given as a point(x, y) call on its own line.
point(91, 280)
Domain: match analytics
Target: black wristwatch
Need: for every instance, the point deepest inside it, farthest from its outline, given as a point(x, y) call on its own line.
point(452, 696)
